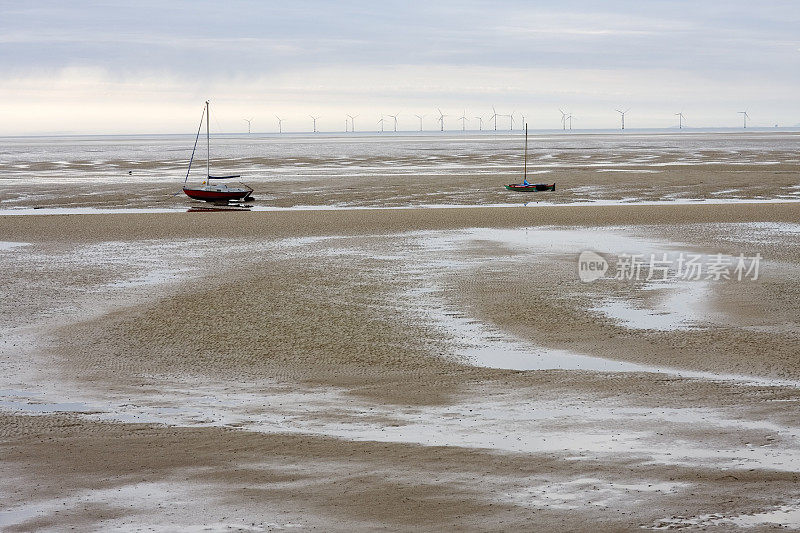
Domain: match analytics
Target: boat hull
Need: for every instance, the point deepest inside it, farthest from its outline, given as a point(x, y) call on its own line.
point(533, 187)
point(218, 195)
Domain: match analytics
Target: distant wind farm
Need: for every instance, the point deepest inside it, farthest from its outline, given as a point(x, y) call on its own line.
point(467, 121)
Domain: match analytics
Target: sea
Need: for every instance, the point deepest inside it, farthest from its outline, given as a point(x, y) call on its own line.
point(34, 170)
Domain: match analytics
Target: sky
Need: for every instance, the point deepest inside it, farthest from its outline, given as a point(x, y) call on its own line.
point(147, 66)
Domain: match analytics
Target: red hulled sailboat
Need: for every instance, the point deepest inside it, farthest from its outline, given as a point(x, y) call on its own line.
point(216, 192)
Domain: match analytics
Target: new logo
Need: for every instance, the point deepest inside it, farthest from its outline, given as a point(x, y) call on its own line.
point(591, 266)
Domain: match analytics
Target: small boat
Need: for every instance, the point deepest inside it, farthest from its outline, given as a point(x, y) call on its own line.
point(525, 186)
point(531, 187)
point(217, 192)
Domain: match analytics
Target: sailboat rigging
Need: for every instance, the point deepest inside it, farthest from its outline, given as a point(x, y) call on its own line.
point(208, 191)
point(525, 185)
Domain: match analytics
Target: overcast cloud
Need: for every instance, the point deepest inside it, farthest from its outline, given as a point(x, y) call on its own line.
point(147, 67)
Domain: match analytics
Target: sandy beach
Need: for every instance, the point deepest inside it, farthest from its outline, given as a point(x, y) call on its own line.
point(377, 364)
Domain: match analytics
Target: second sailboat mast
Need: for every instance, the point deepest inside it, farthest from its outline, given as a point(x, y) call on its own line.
point(208, 144)
point(525, 164)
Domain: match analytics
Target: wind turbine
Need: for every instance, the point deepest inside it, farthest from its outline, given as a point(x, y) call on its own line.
point(280, 120)
point(681, 118)
point(494, 117)
point(352, 123)
point(745, 116)
point(463, 119)
point(315, 122)
point(480, 123)
point(248, 120)
point(563, 119)
point(623, 116)
point(420, 117)
point(569, 117)
point(441, 119)
point(395, 121)
point(511, 116)
point(381, 123)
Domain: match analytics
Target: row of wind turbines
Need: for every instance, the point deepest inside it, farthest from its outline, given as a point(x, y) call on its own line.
point(566, 120)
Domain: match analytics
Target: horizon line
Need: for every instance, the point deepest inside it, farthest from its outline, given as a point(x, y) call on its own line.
point(670, 129)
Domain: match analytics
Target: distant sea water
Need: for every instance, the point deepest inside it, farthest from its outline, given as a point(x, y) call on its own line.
point(19, 153)
point(268, 158)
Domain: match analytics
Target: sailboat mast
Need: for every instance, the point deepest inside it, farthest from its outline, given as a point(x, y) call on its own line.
point(208, 144)
point(525, 165)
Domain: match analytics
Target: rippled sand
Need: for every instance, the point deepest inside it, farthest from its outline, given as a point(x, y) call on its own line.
point(363, 369)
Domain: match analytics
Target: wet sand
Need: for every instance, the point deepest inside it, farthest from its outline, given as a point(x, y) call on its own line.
point(131, 475)
point(75, 228)
point(362, 369)
point(281, 304)
point(396, 171)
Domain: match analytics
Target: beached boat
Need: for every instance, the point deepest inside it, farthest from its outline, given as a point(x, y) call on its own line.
point(525, 186)
point(216, 192)
point(531, 187)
